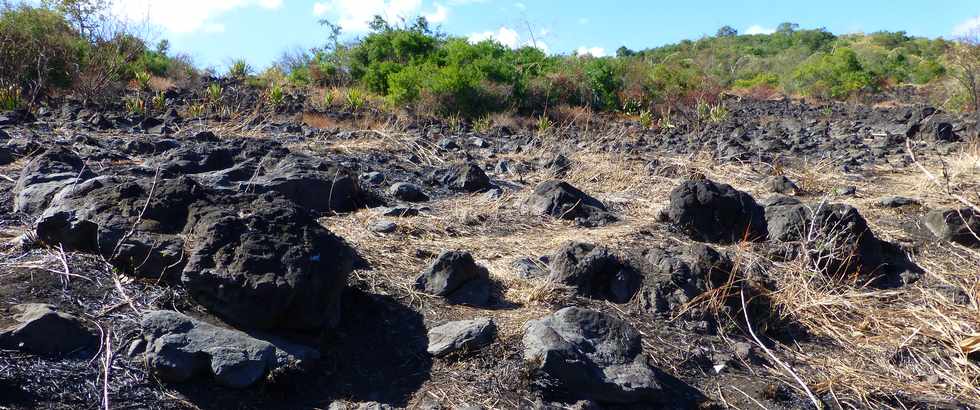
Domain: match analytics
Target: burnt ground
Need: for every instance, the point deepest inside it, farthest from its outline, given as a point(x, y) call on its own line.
point(855, 346)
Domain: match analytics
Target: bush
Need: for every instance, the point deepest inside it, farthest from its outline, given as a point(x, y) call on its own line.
point(836, 75)
point(39, 50)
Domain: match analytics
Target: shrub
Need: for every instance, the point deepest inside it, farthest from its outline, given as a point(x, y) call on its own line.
point(10, 98)
point(354, 99)
point(836, 75)
point(239, 69)
point(39, 50)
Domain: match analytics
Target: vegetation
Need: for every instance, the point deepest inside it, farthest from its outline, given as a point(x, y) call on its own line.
point(71, 46)
point(58, 47)
point(410, 65)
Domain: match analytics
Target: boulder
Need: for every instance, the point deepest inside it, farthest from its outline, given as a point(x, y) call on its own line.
point(712, 212)
point(897, 202)
point(455, 276)
point(46, 174)
point(179, 348)
point(407, 192)
point(782, 185)
point(318, 185)
point(461, 336)
point(42, 329)
point(836, 236)
point(961, 226)
point(594, 271)
point(467, 177)
point(673, 276)
point(103, 215)
point(266, 264)
point(580, 354)
point(561, 200)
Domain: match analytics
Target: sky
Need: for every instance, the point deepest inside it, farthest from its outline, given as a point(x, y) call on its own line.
point(215, 32)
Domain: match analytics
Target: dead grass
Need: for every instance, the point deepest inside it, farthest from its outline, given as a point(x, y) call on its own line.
point(870, 349)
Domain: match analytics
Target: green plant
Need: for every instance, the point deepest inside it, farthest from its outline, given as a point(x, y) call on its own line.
point(544, 124)
point(646, 119)
point(483, 124)
point(632, 106)
point(718, 113)
point(455, 123)
point(665, 121)
point(196, 110)
point(276, 95)
point(135, 105)
point(143, 80)
point(159, 101)
point(213, 93)
point(354, 99)
point(328, 98)
point(10, 98)
point(239, 69)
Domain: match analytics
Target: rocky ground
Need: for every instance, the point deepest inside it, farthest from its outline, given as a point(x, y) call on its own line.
point(791, 255)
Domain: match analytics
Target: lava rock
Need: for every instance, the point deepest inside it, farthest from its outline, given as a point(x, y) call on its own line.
point(782, 185)
point(961, 226)
point(594, 271)
point(383, 226)
point(837, 236)
point(561, 200)
point(408, 192)
point(528, 268)
point(580, 354)
point(467, 177)
point(314, 184)
point(179, 348)
point(896, 202)
point(717, 213)
point(398, 211)
point(276, 253)
point(133, 223)
point(46, 174)
point(455, 276)
point(42, 329)
point(461, 336)
point(673, 276)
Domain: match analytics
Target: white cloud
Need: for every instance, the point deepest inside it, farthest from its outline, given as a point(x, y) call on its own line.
point(355, 15)
point(520, 6)
point(583, 20)
point(440, 15)
point(757, 29)
point(592, 51)
point(212, 28)
point(503, 35)
point(320, 9)
point(508, 37)
point(185, 16)
point(969, 26)
point(270, 4)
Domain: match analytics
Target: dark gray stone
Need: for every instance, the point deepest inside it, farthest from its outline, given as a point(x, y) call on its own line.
point(46, 174)
point(407, 192)
point(782, 185)
point(713, 212)
point(897, 201)
point(561, 200)
point(961, 226)
point(383, 226)
point(594, 271)
point(179, 348)
point(275, 253)
point(580, 354)
point(673, 276)
point(42, 329)
point(461, 336)
point(455, 276)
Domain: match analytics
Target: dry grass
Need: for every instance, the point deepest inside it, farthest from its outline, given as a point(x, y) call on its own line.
point(869, 349)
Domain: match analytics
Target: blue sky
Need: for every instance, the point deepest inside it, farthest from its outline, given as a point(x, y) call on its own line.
point(214, 32)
